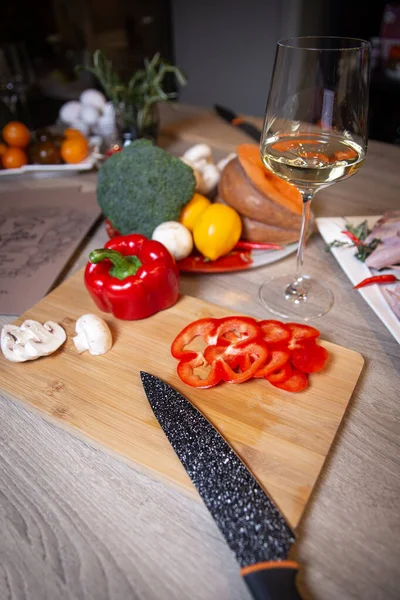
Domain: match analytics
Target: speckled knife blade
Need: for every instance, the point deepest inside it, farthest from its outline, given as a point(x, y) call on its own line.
point(251, 523)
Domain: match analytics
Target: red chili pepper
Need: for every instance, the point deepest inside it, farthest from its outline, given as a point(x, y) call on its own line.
point(132, 277)
point(244, 245)
point(353, 237)
point(389, 278)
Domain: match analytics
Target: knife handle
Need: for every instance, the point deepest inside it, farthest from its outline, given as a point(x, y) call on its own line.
point(248, 128)
point(272, 580)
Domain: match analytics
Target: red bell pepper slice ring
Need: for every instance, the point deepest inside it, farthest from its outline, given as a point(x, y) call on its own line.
point(277, 360)
point(301, 332)
point(204, 328)
point(282, 374)
point(186, 372)
point(257, 350)
point(309, 357)
point(236, 356)
point(274, 331)
point(297, 382)
point(236, 330)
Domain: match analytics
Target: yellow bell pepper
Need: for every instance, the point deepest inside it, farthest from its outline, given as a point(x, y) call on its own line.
point(217, 231)
point(192, 210)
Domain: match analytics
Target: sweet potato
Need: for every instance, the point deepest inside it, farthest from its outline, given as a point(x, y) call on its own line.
point(266, 182)
point(236, 189)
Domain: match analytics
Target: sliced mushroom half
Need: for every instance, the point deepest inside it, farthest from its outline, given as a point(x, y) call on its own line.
point(31, 340)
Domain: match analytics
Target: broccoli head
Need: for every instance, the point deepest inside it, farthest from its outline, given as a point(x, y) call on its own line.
point(143, 186)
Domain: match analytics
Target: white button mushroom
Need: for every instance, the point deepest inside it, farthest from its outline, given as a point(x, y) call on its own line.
point(199, 157)
point(69, 112)
point(92, 97)
point(89, 115)
point(175, 237)
point(200, 153)
point(93, 335)
point(31, 340)
point(211, 176)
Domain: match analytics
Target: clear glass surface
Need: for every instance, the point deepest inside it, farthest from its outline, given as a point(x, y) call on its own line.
point(314, 134)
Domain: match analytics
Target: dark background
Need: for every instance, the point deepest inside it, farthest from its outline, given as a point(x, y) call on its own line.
point(225, 47)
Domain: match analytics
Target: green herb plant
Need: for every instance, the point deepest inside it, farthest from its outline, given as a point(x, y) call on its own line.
point(138, 96)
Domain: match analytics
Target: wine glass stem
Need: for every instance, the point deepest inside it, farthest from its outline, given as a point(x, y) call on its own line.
point(297, 290)
point(307, 197)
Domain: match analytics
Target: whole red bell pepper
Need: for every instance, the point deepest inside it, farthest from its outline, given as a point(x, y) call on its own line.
point(132, 277)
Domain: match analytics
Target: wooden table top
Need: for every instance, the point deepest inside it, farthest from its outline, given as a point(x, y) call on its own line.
point(77, 524)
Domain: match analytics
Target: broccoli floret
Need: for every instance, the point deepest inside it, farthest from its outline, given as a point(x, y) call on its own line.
point(143, 186)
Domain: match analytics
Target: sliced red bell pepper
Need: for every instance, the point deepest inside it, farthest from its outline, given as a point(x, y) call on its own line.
point(236, 330)
point(277, 360)
point(132, 277)
point(274, 331)
point(256, 352)
point(300, 331)
point(282, 374)
point(241, 359)
point(309, 357)
point(189, 363)
point(297, 382)
point(204, 328)
point(223, 360)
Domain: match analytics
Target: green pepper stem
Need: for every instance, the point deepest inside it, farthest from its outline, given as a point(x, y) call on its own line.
point(123, 266)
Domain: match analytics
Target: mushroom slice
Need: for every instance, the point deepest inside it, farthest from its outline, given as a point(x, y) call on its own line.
point(31, 340)
point(93, 335)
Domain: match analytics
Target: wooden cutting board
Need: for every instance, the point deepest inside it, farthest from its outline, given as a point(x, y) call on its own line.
point(283, 438)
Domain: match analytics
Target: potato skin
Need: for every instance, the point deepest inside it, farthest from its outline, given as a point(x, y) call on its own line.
point(237, 190)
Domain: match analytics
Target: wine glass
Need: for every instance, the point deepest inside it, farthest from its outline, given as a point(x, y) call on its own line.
point(314, 134)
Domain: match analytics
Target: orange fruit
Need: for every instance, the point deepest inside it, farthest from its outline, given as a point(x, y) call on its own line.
point(71, 133)
point(74, 150)
point(14, 158)
point(16, 134)
point(3, 149)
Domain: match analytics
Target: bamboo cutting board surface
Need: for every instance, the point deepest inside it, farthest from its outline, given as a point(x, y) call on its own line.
point(283, 438)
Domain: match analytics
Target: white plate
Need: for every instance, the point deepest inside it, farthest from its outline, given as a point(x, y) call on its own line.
point(85, 165)
point(245, 259)
point(48, 170)
point(356, 271)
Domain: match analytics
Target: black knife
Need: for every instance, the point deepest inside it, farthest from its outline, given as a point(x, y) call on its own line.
point(251, 523)
point(234, 119)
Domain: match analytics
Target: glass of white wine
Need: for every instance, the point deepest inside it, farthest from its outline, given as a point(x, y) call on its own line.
point(314, 134)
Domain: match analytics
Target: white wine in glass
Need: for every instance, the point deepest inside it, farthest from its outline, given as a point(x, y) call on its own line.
point(314, 134)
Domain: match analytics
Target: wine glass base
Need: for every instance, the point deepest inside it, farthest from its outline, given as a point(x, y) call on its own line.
point(277, 296)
